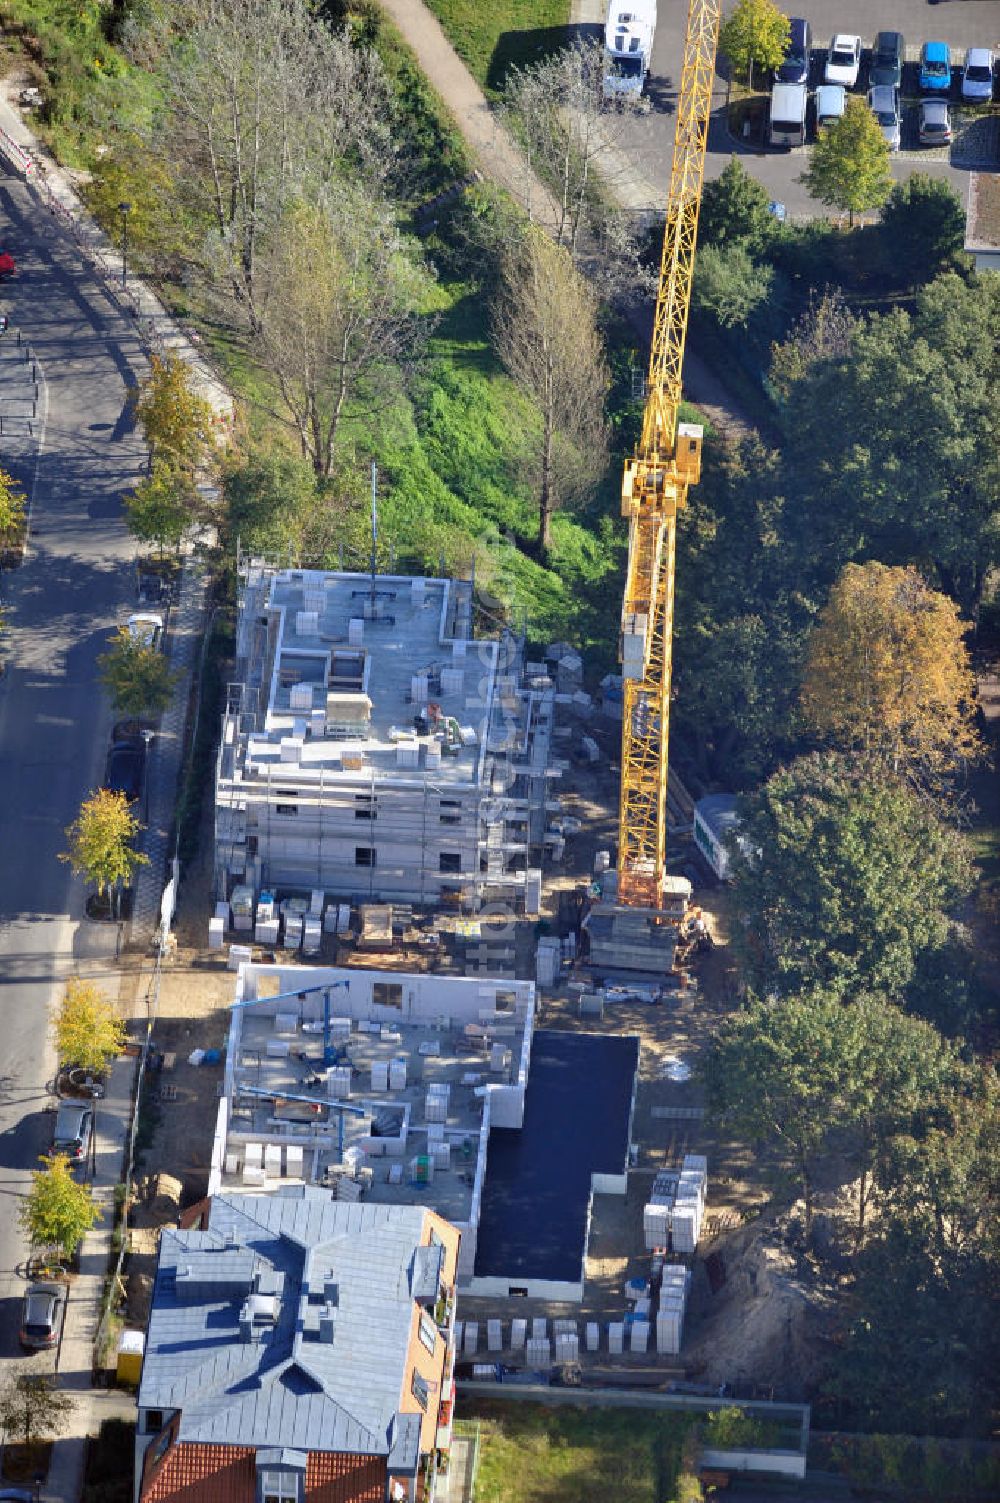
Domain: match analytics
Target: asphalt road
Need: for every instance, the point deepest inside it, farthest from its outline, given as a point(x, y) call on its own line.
point(54, 719)
point(647, 142)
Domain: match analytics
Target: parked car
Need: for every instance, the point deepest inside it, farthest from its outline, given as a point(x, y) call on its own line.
point(74, 1125)
point(935, 68)
point(884, 103)
point(887, 59)
point(977, 75)
point(795, 68)
point(787, 125)
point(125, 770)
point(41, 1316)
point(831, 101)
point(145, 628)
point(935, 122)
point(844, 60)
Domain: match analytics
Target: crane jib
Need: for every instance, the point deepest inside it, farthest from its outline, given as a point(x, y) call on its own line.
point(655, 483)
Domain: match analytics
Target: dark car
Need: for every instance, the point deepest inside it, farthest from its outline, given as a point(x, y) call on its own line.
point(41, 1316)
point(887, 59)
point(126, 767)
point(795, 68)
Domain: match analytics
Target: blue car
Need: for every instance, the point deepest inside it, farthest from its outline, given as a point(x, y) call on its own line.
point(935, 68)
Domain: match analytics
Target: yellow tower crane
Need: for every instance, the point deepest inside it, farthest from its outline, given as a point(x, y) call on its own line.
point(666, 462)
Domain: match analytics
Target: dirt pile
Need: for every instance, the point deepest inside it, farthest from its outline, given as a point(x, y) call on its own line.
point(771, 1317)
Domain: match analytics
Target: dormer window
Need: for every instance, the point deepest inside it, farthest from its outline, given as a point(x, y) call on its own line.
point(279, 1487)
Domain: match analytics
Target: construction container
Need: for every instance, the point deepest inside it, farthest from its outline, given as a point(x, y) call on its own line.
point(131, 1345)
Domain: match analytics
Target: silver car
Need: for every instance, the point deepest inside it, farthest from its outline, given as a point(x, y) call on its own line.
point(884, 103)
point(935, 122)
point(41, 1316)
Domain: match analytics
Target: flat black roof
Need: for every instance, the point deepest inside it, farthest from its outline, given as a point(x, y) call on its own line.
point(577, 1119)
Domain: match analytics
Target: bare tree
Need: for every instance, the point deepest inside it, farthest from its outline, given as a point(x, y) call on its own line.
point(260, 99)
point(339, 317)
point(569, 133)
point(545, 332)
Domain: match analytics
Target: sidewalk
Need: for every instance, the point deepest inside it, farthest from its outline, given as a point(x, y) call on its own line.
point(74, 1359)
point(54, 192)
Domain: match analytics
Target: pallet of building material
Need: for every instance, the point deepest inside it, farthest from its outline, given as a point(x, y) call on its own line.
point(494, 1335)
point(376, 927)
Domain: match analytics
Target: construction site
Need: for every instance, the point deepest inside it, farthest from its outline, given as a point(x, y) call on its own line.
point(466, 937)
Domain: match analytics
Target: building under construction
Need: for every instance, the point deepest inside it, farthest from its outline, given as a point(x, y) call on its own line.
point(374, 748)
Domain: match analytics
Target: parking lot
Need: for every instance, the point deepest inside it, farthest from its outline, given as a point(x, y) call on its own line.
point(647, 142)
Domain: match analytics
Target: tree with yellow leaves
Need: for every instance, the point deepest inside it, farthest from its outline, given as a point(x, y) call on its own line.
point(100, 839)
point(88, 1032)
point(888, 674)
point(178, 424)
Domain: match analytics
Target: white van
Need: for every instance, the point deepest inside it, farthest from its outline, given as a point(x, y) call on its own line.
point(628, 46)
point(788, 115)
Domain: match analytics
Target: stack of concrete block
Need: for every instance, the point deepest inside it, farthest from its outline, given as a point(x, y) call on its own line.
point(293, 931)
point(674, 1285)
point(312, 935)
point(471, 1342)
point(266, 931)
point(673, 1215)
point(593, 1336)
point(616, 1337)
point(639, 1336)
point(518, 1334)
point(436, 1102)
point(567, 1341)
point(538, 1353)
point(548, 956)
point(494, 1335)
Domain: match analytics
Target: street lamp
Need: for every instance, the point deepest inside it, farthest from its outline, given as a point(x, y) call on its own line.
point(124, 209)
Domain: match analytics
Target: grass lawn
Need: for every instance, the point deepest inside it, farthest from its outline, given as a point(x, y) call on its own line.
point(490, 37)
point(533, 1454)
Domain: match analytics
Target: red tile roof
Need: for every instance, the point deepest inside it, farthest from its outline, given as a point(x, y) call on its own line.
point(227, 1474)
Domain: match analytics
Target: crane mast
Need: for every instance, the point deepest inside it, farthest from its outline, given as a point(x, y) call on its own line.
point(666, 462)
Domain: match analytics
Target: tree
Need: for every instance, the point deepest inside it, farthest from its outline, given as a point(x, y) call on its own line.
point(137, 677)
point(756, 32)
point(729, 286)
point(923, 227)
point(568, 130)
point(545, 332)
point(262, 101)
point(99, 841)
point(159, 510)
point(12, 509)
point(901, 1076)
point(341, 314)
point(88, 1031)
point(33, 1408)
point(908, 702)
point(824, 332)
point(781, 1072)
point(895, 452)
point(58, 1211)
point(267, 495)
point(178, 423)
point(849, 165)
point(844, 879)
point(735, 210)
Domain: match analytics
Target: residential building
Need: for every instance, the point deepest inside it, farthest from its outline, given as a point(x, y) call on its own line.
point(299, 1350)
point(375, 748)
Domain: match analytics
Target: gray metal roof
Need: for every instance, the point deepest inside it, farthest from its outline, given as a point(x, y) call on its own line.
point(349, 1270)
point(718, 812)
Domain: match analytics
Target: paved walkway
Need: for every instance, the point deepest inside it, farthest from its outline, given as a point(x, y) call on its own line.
point(499, 158)
point(491, 145)
point(75, 1358)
